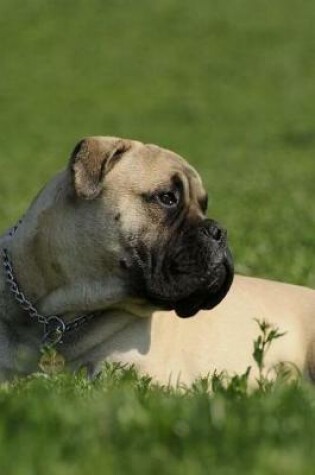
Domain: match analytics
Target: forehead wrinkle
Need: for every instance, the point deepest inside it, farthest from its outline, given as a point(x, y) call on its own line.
point(151, 175)
point(185, 183)
point(196, 188)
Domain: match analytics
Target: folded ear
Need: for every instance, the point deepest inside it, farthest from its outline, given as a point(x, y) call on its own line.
point(91, 159)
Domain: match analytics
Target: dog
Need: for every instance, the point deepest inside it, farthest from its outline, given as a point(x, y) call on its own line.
point(115, 255)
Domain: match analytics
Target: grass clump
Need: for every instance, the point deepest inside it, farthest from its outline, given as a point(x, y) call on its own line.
point(123, 423)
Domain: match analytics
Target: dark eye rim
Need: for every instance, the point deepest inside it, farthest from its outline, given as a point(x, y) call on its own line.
point(173, 194)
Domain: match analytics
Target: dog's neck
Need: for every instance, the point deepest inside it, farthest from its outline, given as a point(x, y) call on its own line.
point(37, 254)
point(39, 264)
point(16, 324)
point(67, 301)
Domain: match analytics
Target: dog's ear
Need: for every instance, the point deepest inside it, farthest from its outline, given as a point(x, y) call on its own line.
point(91, 159)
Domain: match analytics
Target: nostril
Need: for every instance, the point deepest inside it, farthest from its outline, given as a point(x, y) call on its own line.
point(216, 233)
point(212, 229)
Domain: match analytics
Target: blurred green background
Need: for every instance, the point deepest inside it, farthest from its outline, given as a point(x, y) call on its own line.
point(228, 84)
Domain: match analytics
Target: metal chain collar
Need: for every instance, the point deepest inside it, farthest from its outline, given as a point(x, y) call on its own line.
point(54, 326)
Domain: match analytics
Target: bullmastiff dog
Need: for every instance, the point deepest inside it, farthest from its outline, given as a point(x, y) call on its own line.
point(115, 255)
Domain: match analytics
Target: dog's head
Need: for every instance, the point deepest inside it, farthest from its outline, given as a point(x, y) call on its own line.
point(149, 205)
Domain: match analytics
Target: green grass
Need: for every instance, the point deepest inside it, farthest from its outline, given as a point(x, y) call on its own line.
point(231, 86)
point(120, 425)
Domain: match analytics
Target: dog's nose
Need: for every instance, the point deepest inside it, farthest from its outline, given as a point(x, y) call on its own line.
point(213, 230)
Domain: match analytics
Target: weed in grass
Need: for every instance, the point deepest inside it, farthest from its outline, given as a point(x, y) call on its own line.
point(261, 347)
point(238, 385)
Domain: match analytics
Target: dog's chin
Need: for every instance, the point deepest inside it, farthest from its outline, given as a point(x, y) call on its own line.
point(191, 305)
point(203, 299)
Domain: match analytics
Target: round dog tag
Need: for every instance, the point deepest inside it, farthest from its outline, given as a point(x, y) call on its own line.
point(51, 362)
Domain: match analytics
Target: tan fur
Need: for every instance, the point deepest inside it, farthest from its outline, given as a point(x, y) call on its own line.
point(65, 256)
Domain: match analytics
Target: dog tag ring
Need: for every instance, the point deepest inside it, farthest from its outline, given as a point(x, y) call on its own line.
point(54, 331)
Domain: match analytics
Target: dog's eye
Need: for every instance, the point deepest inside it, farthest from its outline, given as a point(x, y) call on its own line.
point(168, 199)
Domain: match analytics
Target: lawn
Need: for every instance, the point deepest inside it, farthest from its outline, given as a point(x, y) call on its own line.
point(230, 86)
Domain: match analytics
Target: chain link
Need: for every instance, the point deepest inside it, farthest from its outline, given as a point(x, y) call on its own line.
point(54, 326)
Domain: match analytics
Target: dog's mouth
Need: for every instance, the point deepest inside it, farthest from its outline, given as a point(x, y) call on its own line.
point(192, 274)
point(208, 297)
point(205, 297)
